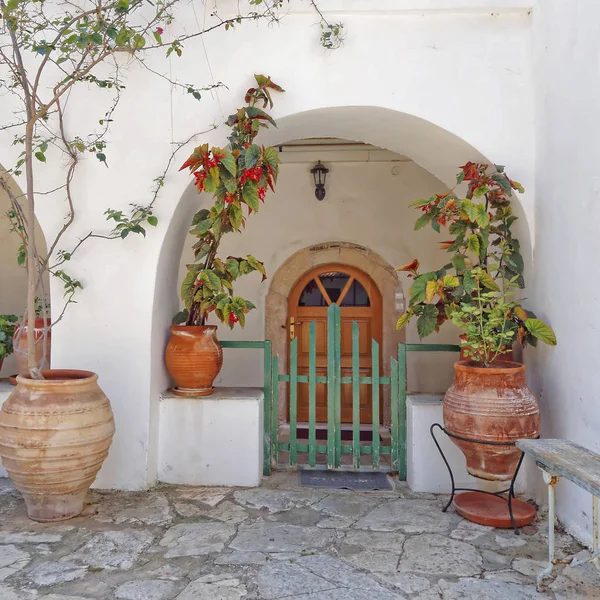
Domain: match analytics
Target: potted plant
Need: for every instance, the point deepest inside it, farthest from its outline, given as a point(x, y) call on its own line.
point(238, 178)
point(7, 331)
point(489, 399)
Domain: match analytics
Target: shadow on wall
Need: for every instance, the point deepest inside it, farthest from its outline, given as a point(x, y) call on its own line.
point(13, 278)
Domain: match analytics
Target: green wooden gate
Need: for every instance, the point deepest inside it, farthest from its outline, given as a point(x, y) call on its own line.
point(334, 454)
point(385, 455)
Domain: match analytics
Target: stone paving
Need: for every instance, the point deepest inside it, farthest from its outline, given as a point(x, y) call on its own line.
point(277, 541)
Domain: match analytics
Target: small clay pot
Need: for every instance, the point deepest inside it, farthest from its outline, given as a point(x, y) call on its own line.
point(194, 358)
point(54, 436)
point(491, 404)
point(21, 359)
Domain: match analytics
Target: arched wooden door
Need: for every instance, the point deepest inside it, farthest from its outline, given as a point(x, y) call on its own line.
point(359, 300)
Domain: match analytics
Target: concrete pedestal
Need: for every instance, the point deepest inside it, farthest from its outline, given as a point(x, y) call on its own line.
point(216, 440)
point(426, 471)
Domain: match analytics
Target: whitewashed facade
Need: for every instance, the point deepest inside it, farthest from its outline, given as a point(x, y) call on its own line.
point(432, 82)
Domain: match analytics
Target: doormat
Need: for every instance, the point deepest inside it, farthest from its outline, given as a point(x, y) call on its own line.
point(345, 480)
point(366, 435)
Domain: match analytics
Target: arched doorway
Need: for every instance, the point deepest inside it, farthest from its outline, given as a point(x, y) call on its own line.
point(359, 300)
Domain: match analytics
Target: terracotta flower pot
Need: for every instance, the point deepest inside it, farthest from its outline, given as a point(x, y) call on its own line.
point(54, 436)
point(495, 405)
point(21, 359)
point(194, 358)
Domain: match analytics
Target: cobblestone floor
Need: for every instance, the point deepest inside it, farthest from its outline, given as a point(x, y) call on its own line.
point(278, 541)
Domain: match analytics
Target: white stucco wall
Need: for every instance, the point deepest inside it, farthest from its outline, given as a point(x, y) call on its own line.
point(565, 288)
point(435, 84)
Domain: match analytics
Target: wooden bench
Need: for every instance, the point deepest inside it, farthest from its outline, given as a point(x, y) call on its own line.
point(561, 458)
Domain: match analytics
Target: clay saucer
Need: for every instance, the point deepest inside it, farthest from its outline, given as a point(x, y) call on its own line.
point(492, 510)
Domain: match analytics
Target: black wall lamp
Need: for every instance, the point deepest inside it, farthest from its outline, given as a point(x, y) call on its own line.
point(319, 173)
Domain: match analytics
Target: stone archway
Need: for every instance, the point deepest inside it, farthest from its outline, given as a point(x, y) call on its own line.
point(345, 253)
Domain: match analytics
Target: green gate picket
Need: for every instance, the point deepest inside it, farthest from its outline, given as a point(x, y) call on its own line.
point(293, 401)
point(355, 396)
point(312, 394)
point(375, 399)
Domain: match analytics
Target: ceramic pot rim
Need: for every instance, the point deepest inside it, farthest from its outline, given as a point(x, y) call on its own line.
point(193, 328)
point(467, 366)
point(58, 378)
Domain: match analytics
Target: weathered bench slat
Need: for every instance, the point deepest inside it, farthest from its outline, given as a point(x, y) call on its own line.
point(566, 459)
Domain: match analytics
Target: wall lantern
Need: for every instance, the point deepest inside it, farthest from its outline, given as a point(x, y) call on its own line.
point(319, 172)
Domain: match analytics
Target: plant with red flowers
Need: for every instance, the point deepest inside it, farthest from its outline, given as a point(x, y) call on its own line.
point(475, 289)
point(238, 178)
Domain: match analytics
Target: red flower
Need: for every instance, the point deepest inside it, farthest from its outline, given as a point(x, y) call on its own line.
point(200, 177)
point(229, 198)
point(233, 318)
point(262, 192)
point(160, 30)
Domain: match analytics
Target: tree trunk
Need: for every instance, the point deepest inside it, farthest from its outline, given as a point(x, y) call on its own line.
point(32, 274)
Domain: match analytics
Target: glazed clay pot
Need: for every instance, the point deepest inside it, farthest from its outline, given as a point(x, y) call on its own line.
point(495, 405)
point(21, 359)
point(194, 358)
point(54, 436)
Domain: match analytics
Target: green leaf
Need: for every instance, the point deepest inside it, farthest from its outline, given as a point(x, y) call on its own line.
point(123, 5)
point(430, 290)
point(271, 157)
point(233, 267)
point(469, 283)
point(403, 320)
point(229, 163)
point(427, 322)
point(250, 195)
point(503, 182)
point(152, 220)
point(180, 317)
point(488, 281)
point(541, 331)
point(40, 156)
point(254, 112)
point(235, 216)
point(12, 4)
point(157, 37)
point(201, 215)
point(257, 265)
point(473, 243)
point(458, 261)
point(417, 290)
point(449, 281)
point(101, 157)
point(138, 41)
point(201, 228)
point(188, 287)
point(251, 156)
point(481, 217)
point(423, 220)
point(211, 280)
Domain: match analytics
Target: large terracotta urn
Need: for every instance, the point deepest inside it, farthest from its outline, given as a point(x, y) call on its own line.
point(54, 436)
point(495, 405)
point(194, 358)
point(21, 358)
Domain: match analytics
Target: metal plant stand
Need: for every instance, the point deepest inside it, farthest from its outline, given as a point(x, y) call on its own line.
point(499, 494)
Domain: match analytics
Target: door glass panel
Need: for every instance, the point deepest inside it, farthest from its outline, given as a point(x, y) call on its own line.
point(334, 283)
point(311, 295)
point(356, 295)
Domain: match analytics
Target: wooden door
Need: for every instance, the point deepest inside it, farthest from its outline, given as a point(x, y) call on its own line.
point(359, 300)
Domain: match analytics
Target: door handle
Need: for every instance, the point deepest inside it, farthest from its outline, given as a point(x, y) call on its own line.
point(293, 324)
